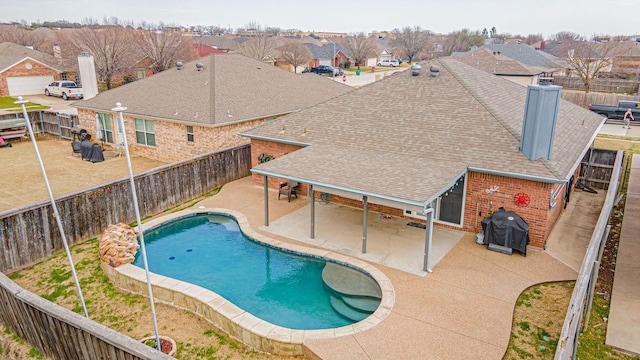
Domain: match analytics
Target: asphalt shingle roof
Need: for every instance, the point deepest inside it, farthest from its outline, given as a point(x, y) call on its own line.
point(498, 64)
point(229, 88)
point(402, 135)
point(528, 56)
point(11, 53)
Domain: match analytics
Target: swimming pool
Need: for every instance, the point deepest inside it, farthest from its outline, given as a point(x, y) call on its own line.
point(283, 288)
point(237, 322)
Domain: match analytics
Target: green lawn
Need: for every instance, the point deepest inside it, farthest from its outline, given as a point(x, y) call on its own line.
point(8, 103)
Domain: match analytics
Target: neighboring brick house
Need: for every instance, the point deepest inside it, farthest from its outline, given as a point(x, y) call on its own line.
point(24, 71)
point(327, 54)
point(200, 108)
point(495, 63)
point(447, 144)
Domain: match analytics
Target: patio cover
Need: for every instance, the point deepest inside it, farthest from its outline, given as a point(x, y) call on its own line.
point(378, 176)
point(395, 177)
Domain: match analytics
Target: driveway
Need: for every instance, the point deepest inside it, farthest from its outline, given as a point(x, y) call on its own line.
point(57, 104)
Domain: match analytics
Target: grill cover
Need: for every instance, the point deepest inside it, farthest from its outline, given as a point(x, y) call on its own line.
point(508, 229)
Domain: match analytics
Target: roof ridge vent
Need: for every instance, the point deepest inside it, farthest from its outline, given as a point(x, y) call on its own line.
point(435, 70)
point(415, 69)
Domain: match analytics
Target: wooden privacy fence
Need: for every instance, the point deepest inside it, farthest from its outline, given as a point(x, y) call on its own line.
point(30, 234)
point(48, 122)
point(60, 333)
point(600, 85)
point(596, 168)
point(583, 99)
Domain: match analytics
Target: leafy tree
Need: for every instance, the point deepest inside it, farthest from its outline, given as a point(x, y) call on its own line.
point(485, 33)
point(411, 40)
point(359, 47)
point(295, 53)
point(165, 47)
point(462, 40)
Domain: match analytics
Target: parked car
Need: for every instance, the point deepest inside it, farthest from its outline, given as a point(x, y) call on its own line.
point(389, 62)
point(64, 89)
point(323, 70)
point(617, 112)
point(338, 71)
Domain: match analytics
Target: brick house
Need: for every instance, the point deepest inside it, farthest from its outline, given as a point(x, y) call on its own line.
point(200, 107)
point(24, 71)
point(441, 147)
point(327, 54)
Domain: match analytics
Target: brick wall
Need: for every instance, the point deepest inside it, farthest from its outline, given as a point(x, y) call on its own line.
point(171, 138)
point(20, 69)
point(276, 150)
point(536, 214)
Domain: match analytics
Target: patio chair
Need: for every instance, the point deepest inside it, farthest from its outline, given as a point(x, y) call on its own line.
point(288, 188)
point(76, 147)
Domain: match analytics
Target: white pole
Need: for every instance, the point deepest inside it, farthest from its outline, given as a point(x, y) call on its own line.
point(119, 109)
point(56, 215)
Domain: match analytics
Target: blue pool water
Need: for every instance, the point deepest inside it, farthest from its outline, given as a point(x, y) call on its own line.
point(209, 250)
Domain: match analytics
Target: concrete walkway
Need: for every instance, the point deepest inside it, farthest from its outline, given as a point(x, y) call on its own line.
point(623, 330)
point(463, 310)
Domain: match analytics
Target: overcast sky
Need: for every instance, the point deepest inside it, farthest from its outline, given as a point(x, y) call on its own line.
point(522, 17)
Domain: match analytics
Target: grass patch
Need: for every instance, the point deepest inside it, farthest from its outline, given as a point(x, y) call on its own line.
point(538, 318)
point(537, 321)
point(8, 103)
point(591, 344)
point(631, 145)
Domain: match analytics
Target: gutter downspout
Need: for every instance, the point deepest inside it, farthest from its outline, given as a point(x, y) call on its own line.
point(428, 210)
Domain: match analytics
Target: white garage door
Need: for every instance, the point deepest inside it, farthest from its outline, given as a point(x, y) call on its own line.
point(28, 85)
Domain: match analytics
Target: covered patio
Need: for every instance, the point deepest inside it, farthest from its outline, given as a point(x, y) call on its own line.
point(415, 186)
point(390, 240)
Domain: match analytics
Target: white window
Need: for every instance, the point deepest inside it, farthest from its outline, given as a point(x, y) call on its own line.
point(145, 132)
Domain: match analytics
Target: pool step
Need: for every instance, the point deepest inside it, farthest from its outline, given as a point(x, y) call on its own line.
point(364, 304)
point(349, 282)
point(352, 293)
point(347, 311)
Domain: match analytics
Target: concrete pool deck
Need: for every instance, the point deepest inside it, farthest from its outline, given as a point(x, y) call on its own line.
point(463, 309)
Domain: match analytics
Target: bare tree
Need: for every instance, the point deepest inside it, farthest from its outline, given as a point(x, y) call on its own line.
point(411, 40)
point(260, 47)
point(295, 53)
point(532, 39)
point(359, 47)
point(566, 36)
point(462, 40)
point(273, 31)
point(164, 47)
point(21, 36)
point(587, 58)
point(290, 32)
point(113, 49)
